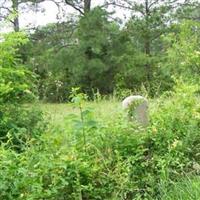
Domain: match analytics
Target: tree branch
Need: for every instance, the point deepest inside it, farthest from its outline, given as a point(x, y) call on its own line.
point(5, 8)
point(114, 3)
point(75, 7)
point(153, 3)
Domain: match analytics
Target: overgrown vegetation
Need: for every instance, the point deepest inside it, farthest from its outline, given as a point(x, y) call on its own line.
point(92, 157)
point(86, 148)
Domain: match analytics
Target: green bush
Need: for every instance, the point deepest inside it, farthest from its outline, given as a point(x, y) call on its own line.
point(17, 86)
point(18, 125)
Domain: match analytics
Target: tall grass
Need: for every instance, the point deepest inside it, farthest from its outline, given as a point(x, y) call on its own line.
point(185, 189)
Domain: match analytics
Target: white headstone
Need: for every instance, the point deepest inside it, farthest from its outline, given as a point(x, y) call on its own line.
point(137, 108)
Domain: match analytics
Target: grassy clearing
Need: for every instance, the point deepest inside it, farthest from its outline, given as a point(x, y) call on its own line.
point(105, 109)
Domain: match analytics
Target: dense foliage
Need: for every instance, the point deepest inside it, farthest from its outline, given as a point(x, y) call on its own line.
point(99, 54)
point(18, 124)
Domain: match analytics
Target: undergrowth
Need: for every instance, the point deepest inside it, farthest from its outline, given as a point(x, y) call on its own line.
point(92, 158)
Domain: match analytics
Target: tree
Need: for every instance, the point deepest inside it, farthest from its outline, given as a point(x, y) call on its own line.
point(7, 10)
point(183, 51)
point(11, 9)
point(47, 54)
point(85, 57)
point(189, 12)
point(150, 19)
point(96, 65)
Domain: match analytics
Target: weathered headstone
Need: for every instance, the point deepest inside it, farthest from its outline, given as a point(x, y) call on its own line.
point(137, 108)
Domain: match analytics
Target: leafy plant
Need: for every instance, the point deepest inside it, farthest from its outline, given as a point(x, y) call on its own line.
point(18, 124)
point(84, 122)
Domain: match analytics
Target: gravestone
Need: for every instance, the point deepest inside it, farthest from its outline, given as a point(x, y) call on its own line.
point(137, 108)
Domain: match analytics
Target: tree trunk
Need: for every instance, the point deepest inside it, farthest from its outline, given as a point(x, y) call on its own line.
point(148, 54)
point(87, 6)
point(147, 43)
point(15, 7)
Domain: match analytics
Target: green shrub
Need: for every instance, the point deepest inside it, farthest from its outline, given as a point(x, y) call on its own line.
point(17, 86)
point(18, 125)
